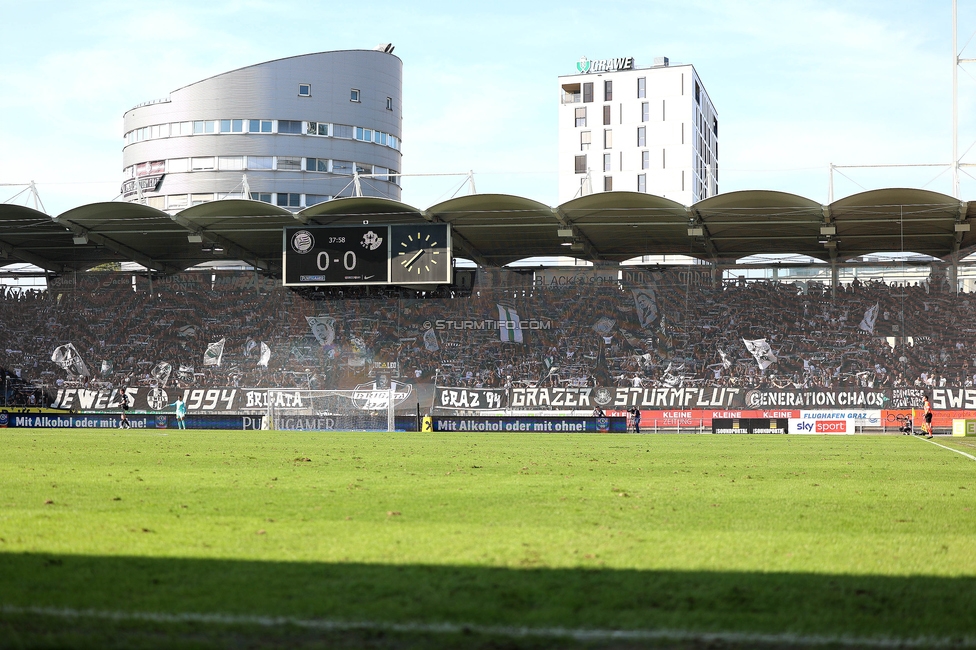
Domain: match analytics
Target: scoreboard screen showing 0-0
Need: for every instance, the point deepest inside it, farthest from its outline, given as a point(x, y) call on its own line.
point(350, 255)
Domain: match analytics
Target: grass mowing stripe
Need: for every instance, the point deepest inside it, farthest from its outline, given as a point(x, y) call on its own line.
point(597, 635)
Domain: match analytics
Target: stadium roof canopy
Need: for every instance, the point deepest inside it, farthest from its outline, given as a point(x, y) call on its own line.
point(497, 229)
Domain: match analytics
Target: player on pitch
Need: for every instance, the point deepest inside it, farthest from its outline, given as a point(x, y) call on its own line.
point(180, 412)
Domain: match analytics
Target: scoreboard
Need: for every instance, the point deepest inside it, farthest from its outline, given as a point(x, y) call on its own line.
point(366, 255)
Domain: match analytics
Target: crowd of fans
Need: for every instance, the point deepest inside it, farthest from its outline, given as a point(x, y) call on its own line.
point(128, 332)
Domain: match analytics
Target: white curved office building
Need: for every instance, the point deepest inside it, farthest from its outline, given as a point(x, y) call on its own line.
point(292, 132)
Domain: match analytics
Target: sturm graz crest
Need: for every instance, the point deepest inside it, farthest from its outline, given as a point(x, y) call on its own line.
point(603, 396)
point(157, 399)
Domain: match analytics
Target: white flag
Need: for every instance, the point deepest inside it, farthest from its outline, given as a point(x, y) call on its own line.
point(509, 325)
point(870, 317)
point(323, 327)
point(265, 355)
point(604, 326)
point(430, 341)
point(726, 362)
point(214, 353)
point(645, 301)
point(760, 349)
point(68, 358)
point(161, 371)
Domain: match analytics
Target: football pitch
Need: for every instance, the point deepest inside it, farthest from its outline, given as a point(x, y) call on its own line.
point(213, 539)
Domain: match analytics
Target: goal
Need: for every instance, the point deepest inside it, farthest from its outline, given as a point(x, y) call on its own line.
point(330, 410)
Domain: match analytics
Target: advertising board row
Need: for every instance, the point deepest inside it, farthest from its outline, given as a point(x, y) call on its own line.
point(155, 421)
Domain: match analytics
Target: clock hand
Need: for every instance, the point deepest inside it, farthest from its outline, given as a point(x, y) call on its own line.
point(414, 258)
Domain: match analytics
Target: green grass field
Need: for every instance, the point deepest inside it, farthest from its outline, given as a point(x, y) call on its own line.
point(374, 539)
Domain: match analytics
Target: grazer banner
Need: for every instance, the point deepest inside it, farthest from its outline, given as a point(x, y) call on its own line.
point(615, 398)
point(474, 399)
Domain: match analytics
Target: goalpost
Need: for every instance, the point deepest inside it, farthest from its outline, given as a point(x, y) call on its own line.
point(299, 409)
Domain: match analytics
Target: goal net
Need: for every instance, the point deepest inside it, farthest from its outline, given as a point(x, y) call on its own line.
point(330, 410)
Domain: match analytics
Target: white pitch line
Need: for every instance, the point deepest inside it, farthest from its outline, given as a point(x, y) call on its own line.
point(505, 631)
point(961, 453)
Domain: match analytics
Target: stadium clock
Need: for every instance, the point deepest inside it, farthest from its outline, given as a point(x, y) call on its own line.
point(420, 254)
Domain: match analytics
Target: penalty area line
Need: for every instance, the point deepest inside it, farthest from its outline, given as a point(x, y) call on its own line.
point(590, 635)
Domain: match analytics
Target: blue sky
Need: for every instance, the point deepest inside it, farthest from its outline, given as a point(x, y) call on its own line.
point(797, 84)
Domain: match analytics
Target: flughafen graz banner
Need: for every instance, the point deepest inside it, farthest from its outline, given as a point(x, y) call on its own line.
point(456, 399)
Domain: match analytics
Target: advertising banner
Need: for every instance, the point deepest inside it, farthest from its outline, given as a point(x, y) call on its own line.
point(160, 421)
point(473, 399)
point(508, 424)
point(859, 418)
point(749, 425)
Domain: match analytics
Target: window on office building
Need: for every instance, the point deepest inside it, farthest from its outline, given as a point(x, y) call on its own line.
point(645, 160)
point(158, 202)
point(259, 126)
point(389, 103)
point(366, 135)
point(341, 131)
point(304, 90)
point(230, 163)
point(288, 200)
point(697, 93)
point(607, 138)
point(202, 164)
point(606, 114)
point(588, 92)
point(608, 183)
point(664, 158)
point(289, 163)
point(197, 199)
point(264, 197)
point(260, 162)
point(607, 90)
point(315, 199)
point(581, 116)
point(177, 165)
point(201, 127)
point(317, 164)
point(642, 182)
point(641, 87)
point(642, 136)
point(645, 111)
point(290, 126)
point(354, 94)
point(584, 140)
point(232, 126)
point(581, 164)
point(606, 162)
point(176, 201)
point(342, 167)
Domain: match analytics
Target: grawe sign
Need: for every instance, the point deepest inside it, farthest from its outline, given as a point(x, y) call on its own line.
point(584, 65)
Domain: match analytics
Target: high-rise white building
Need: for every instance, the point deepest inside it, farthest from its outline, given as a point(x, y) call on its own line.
point(651, 130)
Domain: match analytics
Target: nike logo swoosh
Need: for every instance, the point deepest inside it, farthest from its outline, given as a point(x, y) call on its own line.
point(367, 277)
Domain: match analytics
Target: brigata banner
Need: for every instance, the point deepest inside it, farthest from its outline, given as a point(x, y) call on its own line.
point(473, 399)
point(373, 395)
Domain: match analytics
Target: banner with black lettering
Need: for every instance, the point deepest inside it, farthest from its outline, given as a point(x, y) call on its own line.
point(472, 399)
